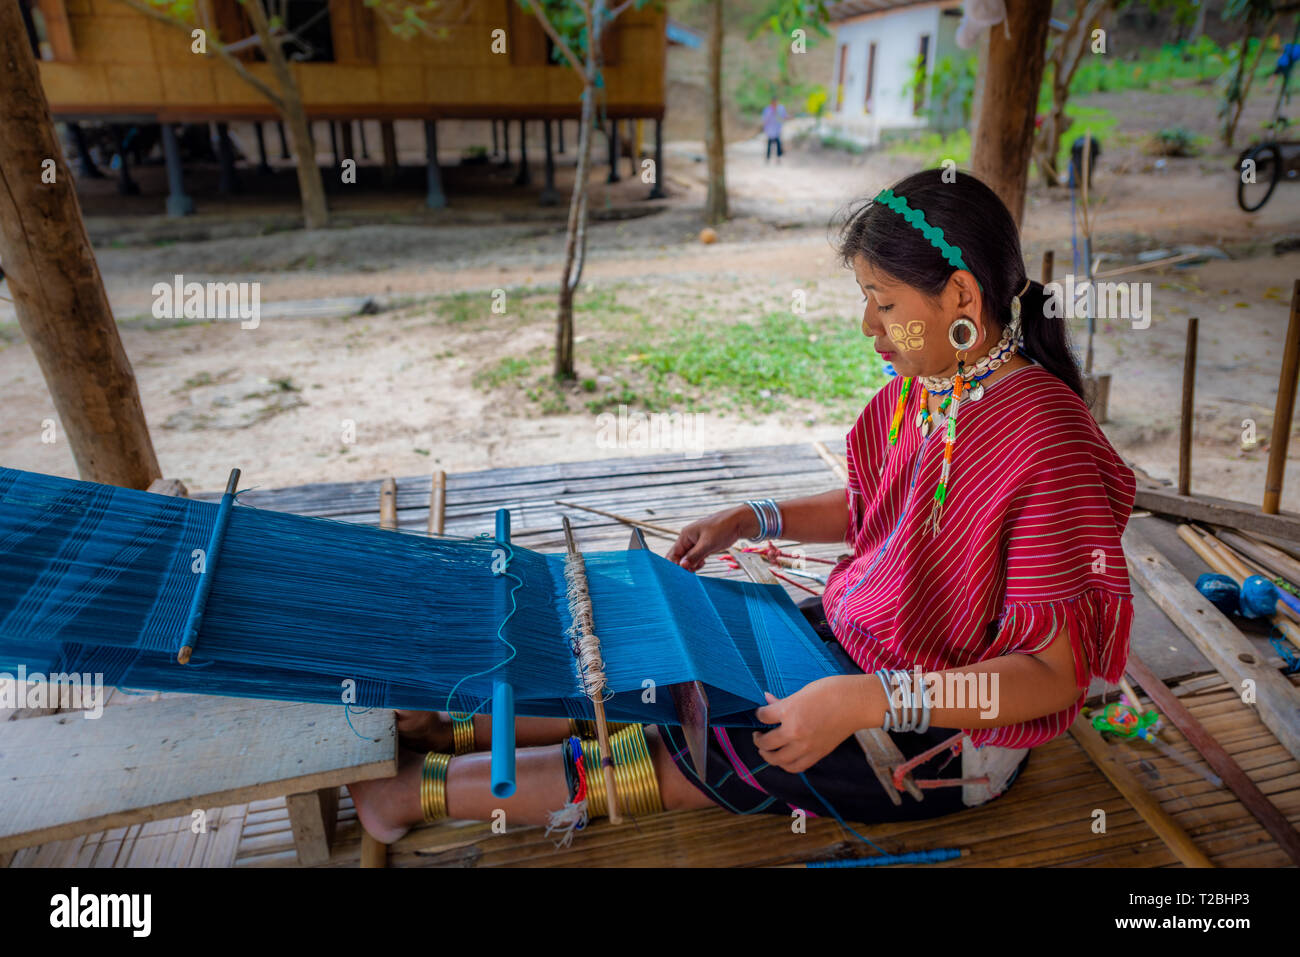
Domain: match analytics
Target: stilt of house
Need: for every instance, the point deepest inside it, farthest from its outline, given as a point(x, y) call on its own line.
point(549, 196)
point(560, 124)
point(435, 199)
point(334, 144)
point(229, 180)
point(496, 147)
point(284, 142)
point(361, 132)
point(505, 142)
point(126, 186)
point(84, 163)
point(263, 166)
point(613, 152)
point(657, 190)
point(524, 177)
point(178, 204)
point(388, 138)
point(348, 152)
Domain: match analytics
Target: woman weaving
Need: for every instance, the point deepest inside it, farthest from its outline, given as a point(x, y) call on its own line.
point(984, 510)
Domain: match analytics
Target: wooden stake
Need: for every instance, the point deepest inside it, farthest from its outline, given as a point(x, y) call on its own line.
point(388, 504)
point(1286, 387)
point(1187, 419)
point(1049, 261)
point(437, 502)
point(1275, 560)
point(602, 726)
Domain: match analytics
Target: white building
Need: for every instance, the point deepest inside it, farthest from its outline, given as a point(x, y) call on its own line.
point(877, 46)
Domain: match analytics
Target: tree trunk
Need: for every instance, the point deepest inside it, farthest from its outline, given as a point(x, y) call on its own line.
point(575, 240)
point(1004, 136)
point(715, 207)
point(57, 290)
point(311, 188)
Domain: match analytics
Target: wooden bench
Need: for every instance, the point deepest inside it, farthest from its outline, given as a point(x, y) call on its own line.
point(66, 775)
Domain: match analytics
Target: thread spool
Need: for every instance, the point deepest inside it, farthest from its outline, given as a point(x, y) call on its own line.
point(503, 693)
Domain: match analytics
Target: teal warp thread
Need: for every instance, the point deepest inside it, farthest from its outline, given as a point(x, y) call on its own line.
point(514, 605)
point(98, 579)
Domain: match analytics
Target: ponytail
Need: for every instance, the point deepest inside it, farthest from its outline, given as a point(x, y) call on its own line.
point(1047, 337)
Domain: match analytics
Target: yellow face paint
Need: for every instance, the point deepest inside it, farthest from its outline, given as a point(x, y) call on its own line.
point(910, 339)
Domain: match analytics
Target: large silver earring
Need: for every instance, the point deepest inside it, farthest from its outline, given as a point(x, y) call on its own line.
point(963, 325)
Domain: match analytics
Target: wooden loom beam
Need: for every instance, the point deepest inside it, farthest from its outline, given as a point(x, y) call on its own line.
point(1286, 388)
point(1218, 511)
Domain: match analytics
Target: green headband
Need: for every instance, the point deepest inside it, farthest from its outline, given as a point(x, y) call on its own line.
point(917, 218)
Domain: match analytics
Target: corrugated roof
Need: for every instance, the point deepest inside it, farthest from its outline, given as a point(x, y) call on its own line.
point(846, 9)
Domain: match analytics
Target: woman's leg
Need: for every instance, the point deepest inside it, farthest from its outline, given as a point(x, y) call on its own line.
point(431, 730)
point(389, 807)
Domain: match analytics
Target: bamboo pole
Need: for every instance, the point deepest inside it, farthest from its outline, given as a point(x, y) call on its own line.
point(1286, 388)
point(437, 502)
point(1216, 555)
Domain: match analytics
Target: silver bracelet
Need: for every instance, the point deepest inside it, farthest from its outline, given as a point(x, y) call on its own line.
point(769, 519)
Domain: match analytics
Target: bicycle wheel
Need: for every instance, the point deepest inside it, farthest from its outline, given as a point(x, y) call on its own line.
point(1267, 162)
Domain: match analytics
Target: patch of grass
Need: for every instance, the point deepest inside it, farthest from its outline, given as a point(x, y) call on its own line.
point(507, 370)
point(761, 365)
point(931, 148)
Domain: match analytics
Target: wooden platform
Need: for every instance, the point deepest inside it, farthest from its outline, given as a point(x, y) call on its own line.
point(1046, 818)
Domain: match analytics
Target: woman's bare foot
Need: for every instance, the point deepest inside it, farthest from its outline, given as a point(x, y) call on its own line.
point(389, 807)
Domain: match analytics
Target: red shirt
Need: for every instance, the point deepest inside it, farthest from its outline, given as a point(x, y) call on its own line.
point(1029, 540)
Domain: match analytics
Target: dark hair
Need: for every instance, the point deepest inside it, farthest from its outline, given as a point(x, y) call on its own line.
point(977, 222)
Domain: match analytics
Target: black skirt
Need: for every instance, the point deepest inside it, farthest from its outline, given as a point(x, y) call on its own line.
point(839, 785)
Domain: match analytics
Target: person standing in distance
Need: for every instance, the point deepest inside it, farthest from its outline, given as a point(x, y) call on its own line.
point(774, 116)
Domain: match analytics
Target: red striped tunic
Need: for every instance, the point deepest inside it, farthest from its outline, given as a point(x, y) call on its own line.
point(1029, 540)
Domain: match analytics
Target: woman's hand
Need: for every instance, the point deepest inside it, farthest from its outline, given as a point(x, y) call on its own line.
point(814, 720)
point(716, 533)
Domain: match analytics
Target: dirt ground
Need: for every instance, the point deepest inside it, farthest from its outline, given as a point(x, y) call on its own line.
point(281, 401)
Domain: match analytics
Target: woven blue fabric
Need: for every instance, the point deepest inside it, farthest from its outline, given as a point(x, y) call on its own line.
point(99, 579)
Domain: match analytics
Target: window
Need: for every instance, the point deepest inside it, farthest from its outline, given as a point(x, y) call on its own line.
point(309, 22)
point(871, 74)
point(47, 29)
point(922, 74)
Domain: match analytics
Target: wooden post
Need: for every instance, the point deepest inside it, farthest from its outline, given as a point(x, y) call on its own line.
point(434, 197)
point(1286, 386)
point(525, 175)
point(347, 140)
point(178, 203)
point(57, 290)
point(313, 817)
point(228, 182)
point(549, 196)
point(1049, 261)
point(437, 502)
point(657, 190)
point(1187, 418)
point(263, 166)
point(1004, 135)
point(612, 139)
point(388, 137)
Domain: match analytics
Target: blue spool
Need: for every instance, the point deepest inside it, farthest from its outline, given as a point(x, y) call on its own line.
point(1258, 597)
point(503, 694)
point(199, 602)
point(1222, 590)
